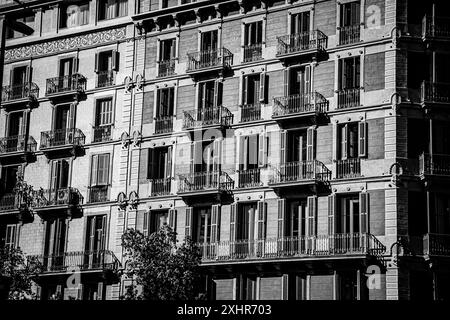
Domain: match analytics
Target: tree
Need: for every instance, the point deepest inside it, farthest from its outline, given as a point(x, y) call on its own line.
point(17, 273)
point(164, 269)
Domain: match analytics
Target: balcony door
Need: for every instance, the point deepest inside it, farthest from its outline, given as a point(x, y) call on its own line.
point(19, 77)
point(296, 219)
point(299, 81)
point(348, 215)
point(8, 179)
point(252, 87)
point(349, 73)
point(67, 67)
point(62, 117)
point(95, 244)
point(9, 235)
point(296, 146)
point(300, 23)
point(207, 100)
point(55, 244)
point(16, 128)
point(160, 163)
point(209, 41)
point(60, 170)
point(350, 14)
point(440, 220)
point(249, 152)
point(154, 220)
point(203, 231)
point(167, 50)
point(165, 100)
point(246, 222)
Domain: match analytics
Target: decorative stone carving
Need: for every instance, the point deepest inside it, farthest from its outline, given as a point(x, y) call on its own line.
point(136, 138)
point(125, 139)
point(66, 44)
point(128, 83)
point(122, 200)
point(133, 200)
point(139, 81)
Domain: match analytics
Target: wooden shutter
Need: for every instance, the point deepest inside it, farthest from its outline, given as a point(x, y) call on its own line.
point(196, 155)
point(72, 112)
point(262, 149)
point(140, 216)
point(171, 102)
point(262, 87)
point(188, 225)
point(94, 170)
point(75, 64)
point(173, 219)
point(144, 164)
point(217, 154)
point(332, 214)
point(24, 124)
point(261, 220)
point(115, 60)
point(28, 72)
point(215, 223)
point(217, 93)
point(364, 212)
point(100, 291)
point(80, 291)
point(281, 217)
point(54, 174)
point(242, 153)
point(307, 83)
point(146, 222)
point(233, 222)
point(286, 82)
point(310, 144)
point(344, 142)
point(283, 143)
point(96, 62)
point(169, 162)
point(362, 138)
point(311, 222)
point(245, 92)
point(103, 233)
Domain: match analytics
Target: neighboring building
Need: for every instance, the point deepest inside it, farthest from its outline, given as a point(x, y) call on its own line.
point(303, 144)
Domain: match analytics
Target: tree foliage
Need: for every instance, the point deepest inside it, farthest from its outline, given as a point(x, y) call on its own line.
point(19, 272)
point(165, 269)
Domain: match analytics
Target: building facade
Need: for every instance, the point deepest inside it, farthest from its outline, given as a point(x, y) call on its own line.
point(303, 144)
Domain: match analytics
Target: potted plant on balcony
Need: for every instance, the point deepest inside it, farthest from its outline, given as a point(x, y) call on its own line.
point(17, 274)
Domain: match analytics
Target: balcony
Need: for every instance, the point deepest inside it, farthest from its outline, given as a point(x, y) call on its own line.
point(293, 248)
point(98, 194)
point(102, 133)
point(160, 187)
point(435, 28)
point(20, 146)
point(207, 118)
point(252, 52)
point(218, 60)
point(435, 93)
point(61, 140)
point(349, 168)
point(348, 98)
point(53, 199)
point(307, 44)
point(105, 79)
point(166, 68)
point(163, 124)
point(17, 203)
point(292, 175)
point(204, 184)
point(250, 112)
point(436, 244)
point(84, 261)
point(250, 178)
point(66, 86)
point(349, 34)
point(307, 106)
point(434, 165)
point(19, 94)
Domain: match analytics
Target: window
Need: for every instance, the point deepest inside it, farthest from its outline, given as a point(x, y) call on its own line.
point(154, 220)
point(440, 220)
point(253, 41)
point(209, 96)
point(298, 145)
point(160, 163)
point(209, 41)
point(253, 151)
point(106, 62)
point(74, 15)
point(104, 112)
point(352, 140)
point(9, 235)
point(441, 137)
point(59, 175)
point(167, 49)
point(93, 291)
point(300, 23)
point(349, 73)
point(165, 99)
point(95, 241)
point(348, 214)
point(100, 170)
point(55, 241)
point(20, 76)
point(350, 14)
point(27, 20)
point(110, 9)
point(246, 221)
point(8, 179)
point(206, 156)
point(296, 218)
point(203, 222)
point(252, 87)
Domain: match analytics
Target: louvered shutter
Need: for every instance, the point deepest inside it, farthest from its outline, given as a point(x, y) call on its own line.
point(310, 144)
point(364, 212)
point(144, 165)
point(233, 222)
point(307, 82)
point(96, 63)
point(115, 60)
point(283, 143)
point(286, 82)
point(245, 93)
point(217, 154)
point(72, 113)
point(217, 93)
point(332, 214)
point(261, 220)
point(281, 217)
point(362, 138)
point(140, 216)
point(262, 152)
point(94, 170)
point(172, 219)
point(311, 217)
point(100, 291)
point(103, 169)
point(344, 142)
point(215, 223)
point(188, 224)
point(262, 88)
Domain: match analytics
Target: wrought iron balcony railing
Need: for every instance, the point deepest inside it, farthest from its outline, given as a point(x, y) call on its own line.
point(349, 34)
point(349, 168)
point(435, 92)
point(253, 52)
point(101, 260)
point(56, 197)
point(166, 68)
point(349, 98)
point(336, 245)
point(160, 187)
point(163, 124)
point(435, 27)
point(102, 133)
point(105, 78)
point(20, 143)
point(207, 59)
point(206, 181)
point(300, 104)
point(98, 194)
point(219, 116)
point(300, 42)
point(19, 92)
point(299, 171)
point(251, 112)
point(62, 137)
point(436, 244)
point(249, 178)
point(434, 164)
point(71, 83)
